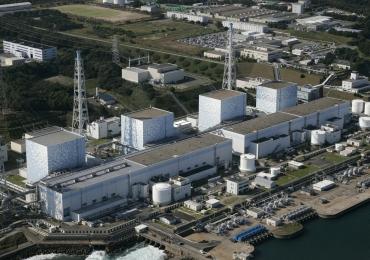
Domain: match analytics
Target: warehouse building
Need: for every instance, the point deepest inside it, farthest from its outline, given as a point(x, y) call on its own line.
point(30, 50)
point(245, 26)
point(188, 17)
point(274, 96)
point(104, 127)
point(356, 83)
point(261, 53)
point(146, 126)
point(278, 131)
point(157, 73)
point(218, 106)
point(236, 185)
point(98, 190)
point(7, 8)
point(54, 151)
point(315, 23)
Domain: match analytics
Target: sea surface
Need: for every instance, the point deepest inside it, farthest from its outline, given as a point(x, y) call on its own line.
point(343, 238)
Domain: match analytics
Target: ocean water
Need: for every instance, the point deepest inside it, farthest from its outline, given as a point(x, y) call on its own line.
point(139, 251)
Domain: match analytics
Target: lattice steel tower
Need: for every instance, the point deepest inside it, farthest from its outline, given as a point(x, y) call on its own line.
point(115, 51)
point(3, 98)
point(80, 111)
point(229, 70)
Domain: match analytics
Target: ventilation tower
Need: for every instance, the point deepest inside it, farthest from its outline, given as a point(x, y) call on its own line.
point(80, 111)
point(229, 70)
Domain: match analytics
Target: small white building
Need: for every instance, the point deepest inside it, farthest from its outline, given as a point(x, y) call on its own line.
point(146, 126)
point(215, 55)
point(297, 8)
point(274, 221)
point(218, 106)
point(150, 8)
point(193, 205)
point(187, 17)
point(181, 188)
point(141, 228)
point(212, 203)
point(261, 53)
point(255, 212)
point(246, 26)
point(104, 127)
point(356, 83)
point(134, 74)
point(18, 146)
point(263, 182)
point(250, 83)
point(274, 96)
point(236, 185)
point(323, 185)
point(30, 50)
point(7, 60)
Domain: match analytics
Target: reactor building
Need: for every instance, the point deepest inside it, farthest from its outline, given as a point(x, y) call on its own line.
point(274, 96)
point(218, 106)
point(278, 131)
point(54, 151)
point(146, 126)
point(100, 189)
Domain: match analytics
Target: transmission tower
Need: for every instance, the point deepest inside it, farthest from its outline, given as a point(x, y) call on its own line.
point(4, 100)
point(229, 70)
point(115, 51)
point(80, 111)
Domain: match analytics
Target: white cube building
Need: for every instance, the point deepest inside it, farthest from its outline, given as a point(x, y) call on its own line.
point(146, 126)
point(30, 50)
point(136, 75)
point(218, 106)
point(61, 150)
point(104, 127)
point(275, 96)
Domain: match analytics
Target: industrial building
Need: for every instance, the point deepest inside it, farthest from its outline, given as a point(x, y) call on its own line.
point(150, 8)
point(157, 73)
point(104, 127)
point(236, 185)
point(7, 60)
point(7, 8)
point(54, 151)
point(308, 93)
point(246, 26)
point(97, 190)
point(315, 23)
point(274, 96)
point(356, 83)
point(218, 106)
point(188, 17)
point(146, 126)
point(261, 53)
point(323, 185)
point(215, 55)
point(278, 131)
point(30, 50)
point(250, 83)
point(297, 8)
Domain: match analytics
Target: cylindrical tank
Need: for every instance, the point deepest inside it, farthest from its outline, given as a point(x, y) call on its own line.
point(274, 171)
point(247, 163)
point(364, 122)
point(161, 193)
point(119, 2)
point(318, 137)
point(357, 106)
point(339, 147)
point(367, 109)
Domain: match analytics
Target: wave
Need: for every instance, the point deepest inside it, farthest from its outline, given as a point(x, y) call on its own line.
point(46, 257)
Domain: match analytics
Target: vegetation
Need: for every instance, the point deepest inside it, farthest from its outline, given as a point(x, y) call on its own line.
point(288, 230)
point(16, 179)
point(292, 175)
point(12, 241)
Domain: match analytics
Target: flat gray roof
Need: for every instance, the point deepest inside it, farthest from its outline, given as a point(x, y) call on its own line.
point(148, 113)
point(169, 151)
point(260, 123)
point(54, 138)
point(44, 131)
point(313, 106)
point(277, 84)
point(222, 94)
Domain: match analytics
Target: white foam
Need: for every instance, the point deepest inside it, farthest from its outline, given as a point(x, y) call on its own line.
point(145, 253)
point(45, 257)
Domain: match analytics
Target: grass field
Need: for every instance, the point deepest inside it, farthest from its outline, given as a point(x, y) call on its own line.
point(320, 36)
point(247, 69)
point(17, 180)
point(296, 174)
point(97, 12)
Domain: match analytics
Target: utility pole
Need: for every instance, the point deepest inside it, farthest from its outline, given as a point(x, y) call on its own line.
point(229, 69)
point(80, 111)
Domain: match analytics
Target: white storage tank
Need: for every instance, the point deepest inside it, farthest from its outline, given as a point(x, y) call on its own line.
point(357, 106)
point(367, 109)
point(161, 193)
point(274, 171)
point(364, 122)
point(247, 163)
point(318, 137)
